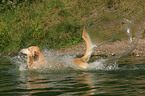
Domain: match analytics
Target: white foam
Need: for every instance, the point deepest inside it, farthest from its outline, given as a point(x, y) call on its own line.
point(56, 62)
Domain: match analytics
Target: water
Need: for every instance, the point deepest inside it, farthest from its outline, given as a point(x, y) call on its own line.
point(124, 78)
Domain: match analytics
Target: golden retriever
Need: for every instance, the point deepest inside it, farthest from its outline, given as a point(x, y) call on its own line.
point(35, 56)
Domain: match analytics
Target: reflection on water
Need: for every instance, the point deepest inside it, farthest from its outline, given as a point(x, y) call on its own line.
point(127, 79)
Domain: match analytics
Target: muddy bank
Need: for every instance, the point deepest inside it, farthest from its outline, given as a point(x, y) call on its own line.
point(113, 49)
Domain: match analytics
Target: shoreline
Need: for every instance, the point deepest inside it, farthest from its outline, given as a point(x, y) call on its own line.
point(80, 49)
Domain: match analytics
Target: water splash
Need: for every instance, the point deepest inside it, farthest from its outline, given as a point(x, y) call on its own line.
point(114, 31)
point(55, 63)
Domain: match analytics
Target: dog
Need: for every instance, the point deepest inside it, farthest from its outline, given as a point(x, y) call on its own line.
point(35, 57)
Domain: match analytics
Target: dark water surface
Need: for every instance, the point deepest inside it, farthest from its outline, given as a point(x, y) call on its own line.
point(127, 80)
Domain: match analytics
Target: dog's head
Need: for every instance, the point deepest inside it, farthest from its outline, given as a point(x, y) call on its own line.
point(34, 56)
point(31, 51)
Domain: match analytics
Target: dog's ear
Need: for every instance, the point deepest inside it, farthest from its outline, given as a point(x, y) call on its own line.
point(32, 51)
point(35, 53)
point(35, 57)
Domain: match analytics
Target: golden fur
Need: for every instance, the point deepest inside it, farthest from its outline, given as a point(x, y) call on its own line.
point(34, 57)
point(82, 62)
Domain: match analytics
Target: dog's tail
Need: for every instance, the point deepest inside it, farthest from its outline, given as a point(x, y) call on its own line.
point(89, 46)
point(82, 62)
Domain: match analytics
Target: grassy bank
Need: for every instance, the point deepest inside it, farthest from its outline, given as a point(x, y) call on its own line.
point(51, 23)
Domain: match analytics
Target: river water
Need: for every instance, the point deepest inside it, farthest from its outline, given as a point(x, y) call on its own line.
point(127, 78)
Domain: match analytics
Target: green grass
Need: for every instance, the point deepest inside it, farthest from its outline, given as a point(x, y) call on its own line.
point(50, 23)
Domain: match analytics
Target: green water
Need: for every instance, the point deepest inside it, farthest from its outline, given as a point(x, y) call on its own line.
point(126, 80)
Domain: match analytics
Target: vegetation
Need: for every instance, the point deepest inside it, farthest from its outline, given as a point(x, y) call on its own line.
point(49, 23)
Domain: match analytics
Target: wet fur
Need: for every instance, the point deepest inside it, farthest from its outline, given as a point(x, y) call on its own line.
point(34, 57)
point(82, 62)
